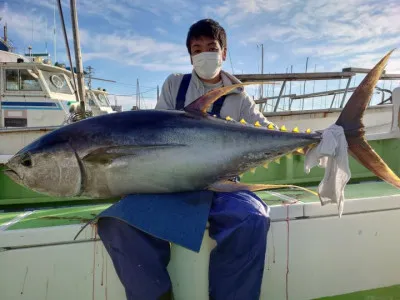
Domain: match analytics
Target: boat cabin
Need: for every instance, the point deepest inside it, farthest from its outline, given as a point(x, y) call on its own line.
point(35, 93)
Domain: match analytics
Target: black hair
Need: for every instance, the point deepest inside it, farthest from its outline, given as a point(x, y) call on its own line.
point(208, 28)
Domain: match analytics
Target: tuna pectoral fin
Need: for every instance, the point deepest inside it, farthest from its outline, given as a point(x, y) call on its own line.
point(230, 186)
point(106, 155)
point(364, 154)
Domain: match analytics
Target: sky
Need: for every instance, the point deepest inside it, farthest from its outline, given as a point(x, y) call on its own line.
point(130, 40)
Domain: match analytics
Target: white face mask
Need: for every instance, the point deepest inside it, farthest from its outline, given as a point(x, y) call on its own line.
point(207, 64)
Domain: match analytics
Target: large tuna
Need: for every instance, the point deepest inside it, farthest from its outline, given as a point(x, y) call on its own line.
point(160, 151)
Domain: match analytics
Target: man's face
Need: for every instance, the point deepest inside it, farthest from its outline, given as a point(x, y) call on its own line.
point(206, 44)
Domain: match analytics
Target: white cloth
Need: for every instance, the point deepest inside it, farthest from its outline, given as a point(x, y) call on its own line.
point(331, 154)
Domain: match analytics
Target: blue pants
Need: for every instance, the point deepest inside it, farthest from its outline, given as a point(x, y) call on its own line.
point(238, 222)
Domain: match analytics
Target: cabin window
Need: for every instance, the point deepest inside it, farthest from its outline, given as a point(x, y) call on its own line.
point(103, 100)
point(22, 80)
point(91, 100)
point(56, 82)
point(12, 80)
point(29, 81)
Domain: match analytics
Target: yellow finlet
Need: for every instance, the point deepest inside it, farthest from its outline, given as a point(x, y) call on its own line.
point(283, 128)
point(266, 165)
point(253, 170)
point(300, 150)
point(308, 130)
point(296, 129)
point(290, 155)
point(278, 160)
point(271, 126)
point(228, 118)
point(257, 124)
point(243, 121)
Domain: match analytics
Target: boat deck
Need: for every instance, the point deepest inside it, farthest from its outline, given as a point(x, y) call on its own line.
point(12, 218)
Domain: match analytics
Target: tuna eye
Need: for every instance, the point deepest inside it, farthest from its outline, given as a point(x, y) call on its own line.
point(26, 161)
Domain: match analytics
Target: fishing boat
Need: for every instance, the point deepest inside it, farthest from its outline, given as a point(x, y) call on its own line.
point(37, 97)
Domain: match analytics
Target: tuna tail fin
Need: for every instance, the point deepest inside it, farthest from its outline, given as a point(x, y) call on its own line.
point(351, 121)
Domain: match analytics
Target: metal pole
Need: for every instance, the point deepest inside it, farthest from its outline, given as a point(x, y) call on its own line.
point(312, 104)
point(54, 34)
point(262, 68)
point(90, 69)
point(304, 86)
point(68, 50)
point(333, 100)
point(345, 93)
point(279, 97)
point(78, 57)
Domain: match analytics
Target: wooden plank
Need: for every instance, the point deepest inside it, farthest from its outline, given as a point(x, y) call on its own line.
point(358, 70)
point(326, 93)
point(263, 100)
point(390, 76)
point(363, 70)
point(294, 76)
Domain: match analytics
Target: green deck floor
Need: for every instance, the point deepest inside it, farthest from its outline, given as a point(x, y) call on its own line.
point(386, 293)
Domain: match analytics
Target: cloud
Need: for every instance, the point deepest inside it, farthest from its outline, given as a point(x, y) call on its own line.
point(368, 60)
point(122, 12)
point(310, 20)
point(136, 50)
point(340, 49)
point(161, 31)
point(353, 32)
point(234, 12)
point(120, 46)
point(29, 26)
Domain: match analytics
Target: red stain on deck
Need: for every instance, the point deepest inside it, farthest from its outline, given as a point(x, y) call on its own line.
point(94, 229)
point(102, 267)
point(23, 285)
point(106, 282)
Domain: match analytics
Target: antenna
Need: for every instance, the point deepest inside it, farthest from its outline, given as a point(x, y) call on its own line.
point(262, 69)
point(137, 94)
point(89, 72)
point(47, 52)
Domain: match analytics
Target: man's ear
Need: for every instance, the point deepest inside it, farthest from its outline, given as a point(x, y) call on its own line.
point(224, 54)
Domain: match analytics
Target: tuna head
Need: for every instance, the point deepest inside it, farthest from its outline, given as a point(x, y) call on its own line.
point(49, 169)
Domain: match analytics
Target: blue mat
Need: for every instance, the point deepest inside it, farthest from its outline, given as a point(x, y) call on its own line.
point(180, 218)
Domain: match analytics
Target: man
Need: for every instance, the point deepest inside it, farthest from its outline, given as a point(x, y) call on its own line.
point(239, 222)
point(207, 47)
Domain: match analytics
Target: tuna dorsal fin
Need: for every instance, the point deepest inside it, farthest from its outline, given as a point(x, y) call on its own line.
point(202, 103)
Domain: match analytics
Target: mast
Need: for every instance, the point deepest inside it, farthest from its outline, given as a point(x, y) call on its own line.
point(54, 33)
point(78, 57)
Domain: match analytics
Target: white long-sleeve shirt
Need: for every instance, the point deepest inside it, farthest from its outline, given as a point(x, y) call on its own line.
point(237, 105)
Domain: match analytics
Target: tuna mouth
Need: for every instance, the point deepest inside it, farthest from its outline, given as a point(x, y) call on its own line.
point(13, 175)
